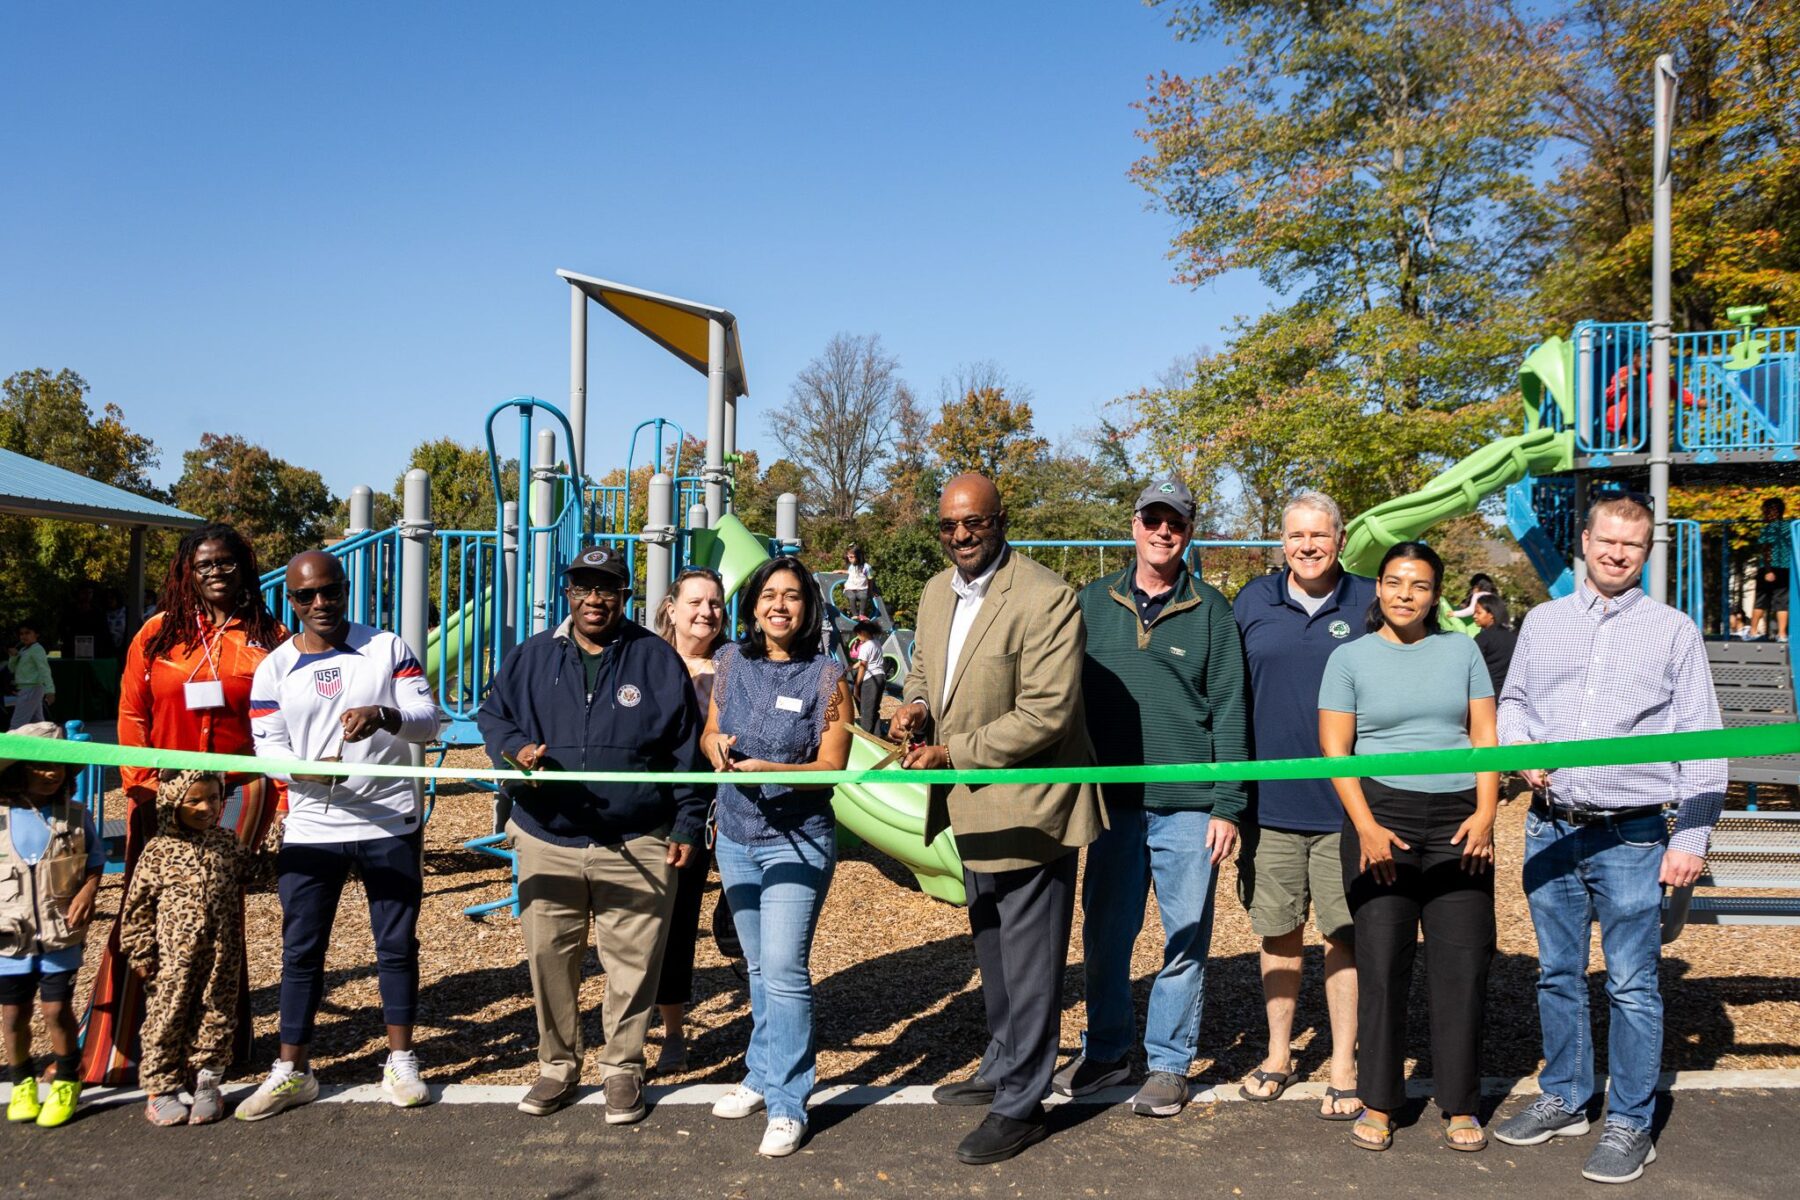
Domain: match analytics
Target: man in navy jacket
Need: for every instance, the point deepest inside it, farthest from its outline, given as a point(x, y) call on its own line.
point(599, 693)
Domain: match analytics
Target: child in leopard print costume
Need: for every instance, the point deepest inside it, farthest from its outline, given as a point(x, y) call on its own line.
point(181, 931)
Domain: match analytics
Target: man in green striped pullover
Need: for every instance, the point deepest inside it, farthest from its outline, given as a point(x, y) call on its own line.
point(1163, 682)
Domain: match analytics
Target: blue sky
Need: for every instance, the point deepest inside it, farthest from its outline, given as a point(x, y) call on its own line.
point(333, 228)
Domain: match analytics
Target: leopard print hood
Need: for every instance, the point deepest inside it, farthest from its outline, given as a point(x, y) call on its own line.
point(168, 800)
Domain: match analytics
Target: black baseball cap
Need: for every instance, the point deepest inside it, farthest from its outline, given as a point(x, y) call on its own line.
point(1170, 491)
point(600, 562)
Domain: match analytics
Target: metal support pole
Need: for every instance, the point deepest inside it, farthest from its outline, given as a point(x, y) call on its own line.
point(539, 560)
point(362, 510)
point(1581, 511)
point(356, 570)
point(730, 444)
point(659, 543)
point(134, 602)
point(787, 522)
point(715, 421)
point(415, 579)
point(578, 333)
point(1584, 389)
point(509, 570)
point(1665, 82)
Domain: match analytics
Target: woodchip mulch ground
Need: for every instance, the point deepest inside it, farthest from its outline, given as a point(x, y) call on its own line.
point(898, 998)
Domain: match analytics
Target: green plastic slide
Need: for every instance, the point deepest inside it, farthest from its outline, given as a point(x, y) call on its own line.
point(451, 628)
point(888, 816)
point(1455, 493)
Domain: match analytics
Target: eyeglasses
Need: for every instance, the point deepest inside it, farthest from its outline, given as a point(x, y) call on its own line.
point(581, 591)
point(1175, 524)
point(216, 566)
point(972, 524)
point(331, 593)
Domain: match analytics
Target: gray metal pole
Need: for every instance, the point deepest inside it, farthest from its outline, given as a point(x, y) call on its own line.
point(1665, 81)
point(578, 333)
point(1584, 385)
point(134, 602)
point(362, 510)
point(715, 421)
point(787, 521)
point(543, 497)
point(730, 442)
point(415, 578)
point(509, 570)
point(659, 543)
point(696, 519)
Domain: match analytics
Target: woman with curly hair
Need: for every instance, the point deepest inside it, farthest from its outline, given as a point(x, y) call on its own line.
point(186, 686)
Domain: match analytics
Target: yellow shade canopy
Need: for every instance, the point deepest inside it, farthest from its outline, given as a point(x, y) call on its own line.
point(678, 326)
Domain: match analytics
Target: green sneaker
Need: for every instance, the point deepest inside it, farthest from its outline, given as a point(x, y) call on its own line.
point(61, 1106)
point(24, 1105)
point(281, 1091)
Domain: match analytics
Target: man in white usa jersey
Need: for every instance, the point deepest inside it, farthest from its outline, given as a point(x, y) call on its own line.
point(339, 691)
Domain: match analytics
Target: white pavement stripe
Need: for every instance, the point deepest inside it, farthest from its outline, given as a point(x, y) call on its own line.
point(865, 1095)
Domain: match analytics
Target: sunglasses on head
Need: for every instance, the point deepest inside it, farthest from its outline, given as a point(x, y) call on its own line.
point(331, 593)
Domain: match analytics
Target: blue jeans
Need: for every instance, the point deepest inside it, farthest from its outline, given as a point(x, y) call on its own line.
point(1141, 846)
point(776, 893)
point(1574, 874)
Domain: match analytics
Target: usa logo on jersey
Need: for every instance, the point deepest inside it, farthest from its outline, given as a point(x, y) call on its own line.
point(329, 682)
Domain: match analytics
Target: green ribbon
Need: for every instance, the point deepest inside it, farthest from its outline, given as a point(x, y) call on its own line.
point(1597, 752)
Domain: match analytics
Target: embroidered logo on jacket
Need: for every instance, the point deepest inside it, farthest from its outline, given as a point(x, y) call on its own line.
point(328, 682)
point(628, 695)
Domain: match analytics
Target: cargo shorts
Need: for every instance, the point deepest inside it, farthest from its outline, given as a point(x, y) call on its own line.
point(1280, 870)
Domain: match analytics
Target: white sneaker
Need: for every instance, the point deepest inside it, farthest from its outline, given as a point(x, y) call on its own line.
point(739, 1102)
point(400, 1080)
point(285, 1088)
point(782, 1137)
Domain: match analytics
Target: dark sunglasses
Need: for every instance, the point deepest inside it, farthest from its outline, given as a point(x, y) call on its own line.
point(972, 524)
point(1175, 524)
point(331, 593)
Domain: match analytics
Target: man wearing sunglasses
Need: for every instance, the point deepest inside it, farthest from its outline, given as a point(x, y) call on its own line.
point(996, 682)
point(598, 693)
point(338, 691)
point(1164, 683)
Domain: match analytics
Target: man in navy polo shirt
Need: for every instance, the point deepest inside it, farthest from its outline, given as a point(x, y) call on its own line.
point(1291, 622)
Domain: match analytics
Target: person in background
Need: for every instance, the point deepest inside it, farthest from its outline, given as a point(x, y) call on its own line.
point(1163, 682)
point(182, 930)
point(1607, 661)
point(691, 619)
point(596, 693)
point(85, 620)
point(185, 686)
point(30, 667)
point(1772, 574)
point(869, 679)
point(1496, 639)
point(1480, 585)
point(117, 617)
point(858, 577)
point(51, 859)
point(996, 683)
point(1292, 620)
point(1418, 850)
point(340, 691)
point(778, 705)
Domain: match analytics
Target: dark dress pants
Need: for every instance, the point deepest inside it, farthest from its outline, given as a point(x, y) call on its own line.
point(1021, 921)
point(1456, 911)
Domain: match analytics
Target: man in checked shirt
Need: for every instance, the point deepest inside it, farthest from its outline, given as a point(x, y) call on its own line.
point(1607, 661)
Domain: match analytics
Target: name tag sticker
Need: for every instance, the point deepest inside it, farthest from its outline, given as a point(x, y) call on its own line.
point(203, 694)
point(788, 703)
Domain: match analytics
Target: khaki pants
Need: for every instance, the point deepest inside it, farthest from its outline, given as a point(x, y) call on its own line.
point(629, 893)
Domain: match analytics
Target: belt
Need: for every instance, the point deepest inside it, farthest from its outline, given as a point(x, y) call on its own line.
point(1593, 816)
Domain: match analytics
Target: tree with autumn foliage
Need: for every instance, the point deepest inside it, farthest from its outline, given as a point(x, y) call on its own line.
point(282, 508)
point(1368, 162)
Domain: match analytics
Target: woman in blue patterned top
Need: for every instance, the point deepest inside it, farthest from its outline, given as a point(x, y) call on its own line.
point(778, 704)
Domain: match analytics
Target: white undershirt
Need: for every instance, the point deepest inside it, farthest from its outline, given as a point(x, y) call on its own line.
point(969, 597)
point(1312, 604)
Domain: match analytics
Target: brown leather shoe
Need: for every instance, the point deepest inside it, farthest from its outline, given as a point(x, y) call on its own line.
point(546, 1096)
point(624, 1098)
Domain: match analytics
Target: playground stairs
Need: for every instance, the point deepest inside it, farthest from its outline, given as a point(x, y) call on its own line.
point(1755, 685)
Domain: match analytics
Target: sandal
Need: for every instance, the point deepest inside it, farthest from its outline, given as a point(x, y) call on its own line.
point(1281, 1079)
point(1382, 1126)
point(1459, 1125)
point(1333, 1096)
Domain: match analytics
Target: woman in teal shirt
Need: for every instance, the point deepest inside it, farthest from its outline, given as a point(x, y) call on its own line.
point(1418, 850)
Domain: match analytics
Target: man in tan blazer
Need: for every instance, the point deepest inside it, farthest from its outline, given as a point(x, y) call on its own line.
point(996, 682)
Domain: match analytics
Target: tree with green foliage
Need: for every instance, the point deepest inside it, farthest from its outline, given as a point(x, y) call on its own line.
point(282, 508)
point(462, 486)
point(986, 431)
point(1368, 161)
point(45, 415)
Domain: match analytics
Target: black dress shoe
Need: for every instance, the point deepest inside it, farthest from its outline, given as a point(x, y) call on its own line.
point(964, 1092)
point(999, 1138)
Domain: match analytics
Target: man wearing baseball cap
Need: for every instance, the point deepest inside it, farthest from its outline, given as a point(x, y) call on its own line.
point(1164, 683)
point(598, 693)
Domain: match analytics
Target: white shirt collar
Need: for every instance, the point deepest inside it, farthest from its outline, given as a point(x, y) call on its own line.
point(976, 588)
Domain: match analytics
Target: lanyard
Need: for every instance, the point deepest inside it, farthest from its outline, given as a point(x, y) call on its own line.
point(209, 646)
